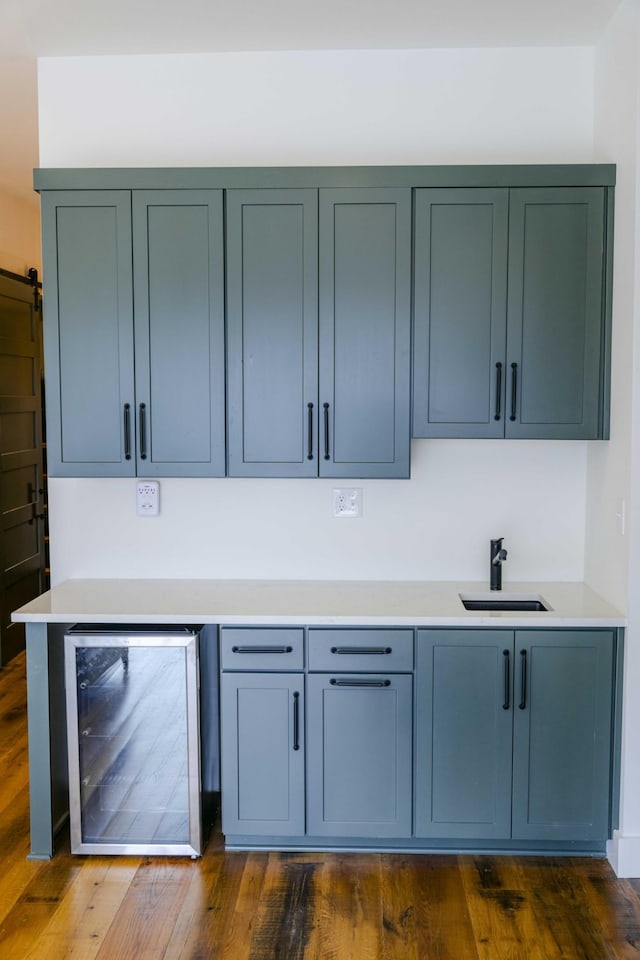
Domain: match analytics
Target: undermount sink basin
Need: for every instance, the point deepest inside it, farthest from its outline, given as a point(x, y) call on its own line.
point(505, 601)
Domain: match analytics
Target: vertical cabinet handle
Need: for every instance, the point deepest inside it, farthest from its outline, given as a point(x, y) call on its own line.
point(309, 431)
point(143, 431)
point(326, 430)
point(498, 412)
point(507, 680)
point(523, 680)
point(514, 389)
point(296, 721)
point(127, 431)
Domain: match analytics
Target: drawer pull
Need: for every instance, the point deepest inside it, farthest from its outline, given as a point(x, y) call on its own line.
point(364, 651)
point(498, 412)
point(359, 683)
point(296, 721)
point(261, 649)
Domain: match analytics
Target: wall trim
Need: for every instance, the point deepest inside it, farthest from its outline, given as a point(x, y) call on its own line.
point(623, 853)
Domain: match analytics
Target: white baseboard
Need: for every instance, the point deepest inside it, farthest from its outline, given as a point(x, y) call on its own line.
point(623, 853)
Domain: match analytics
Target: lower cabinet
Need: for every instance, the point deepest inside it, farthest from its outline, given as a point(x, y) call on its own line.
point(359, 755)
point(464, 735)
point(262, 754)
point(513, 734)
point(493, 736)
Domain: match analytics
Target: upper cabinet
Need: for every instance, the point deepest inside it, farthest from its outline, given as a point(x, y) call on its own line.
point(88, 333)
point(148, 286)
point(257, 322)
point(510, 313)
point(318, 326)
point(272, 332)
point(179, 332)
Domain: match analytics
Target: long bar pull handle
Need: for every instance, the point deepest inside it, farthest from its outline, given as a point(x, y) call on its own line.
point(326, 430)
point(309, 431)
point(523, 680)
point(359, 683)
point(143, 431)
point(127, 431)
point(514, 389)
point(296, 720)
point(261, 649)
point(507, 680)
point(498, 412)
point(355, 651)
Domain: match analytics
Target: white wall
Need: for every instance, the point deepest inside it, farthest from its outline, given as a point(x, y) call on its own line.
point(331, 107)
point(487, 106)
point(19, 234)
point(612, 561)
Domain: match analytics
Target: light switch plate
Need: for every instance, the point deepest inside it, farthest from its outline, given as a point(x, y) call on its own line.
point(147, 498)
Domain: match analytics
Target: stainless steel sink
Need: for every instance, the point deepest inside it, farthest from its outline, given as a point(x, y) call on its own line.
point(506, 601)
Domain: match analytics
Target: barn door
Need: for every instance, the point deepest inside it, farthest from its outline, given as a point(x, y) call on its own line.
point(22, 478)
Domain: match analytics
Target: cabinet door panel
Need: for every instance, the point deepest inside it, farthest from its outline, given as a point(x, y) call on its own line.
point(262, 771)
point(555, 311)
point(562, 735)
point(89, 331)
point(464, 733)
point(365, 244)
point(272, 276)
point(460, 282)
point(359, 744)
point(179, 302)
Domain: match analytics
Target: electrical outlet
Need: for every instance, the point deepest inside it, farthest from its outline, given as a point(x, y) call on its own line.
point(347, 502)
point(147, 498)
point(621, 517)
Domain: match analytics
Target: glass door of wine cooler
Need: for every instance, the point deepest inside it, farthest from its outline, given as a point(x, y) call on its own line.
point(134, 756)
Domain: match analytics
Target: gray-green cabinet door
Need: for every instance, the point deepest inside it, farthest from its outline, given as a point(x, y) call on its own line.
point(359, 749)
point(179, 332)
point(365, 332)
point(88, 338)
point(272, 332)
point(460, 295)
point(562, 735)
point(262, 754)
point(555, 313)
point(464, 695)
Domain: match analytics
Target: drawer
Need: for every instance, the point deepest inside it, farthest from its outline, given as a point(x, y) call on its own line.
point(373, 651)
point(262, 648)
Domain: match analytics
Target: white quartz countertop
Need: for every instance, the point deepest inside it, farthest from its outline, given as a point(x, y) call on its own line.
point(365, 602)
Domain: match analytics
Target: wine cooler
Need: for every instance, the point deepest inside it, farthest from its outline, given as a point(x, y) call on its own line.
point(134, 754)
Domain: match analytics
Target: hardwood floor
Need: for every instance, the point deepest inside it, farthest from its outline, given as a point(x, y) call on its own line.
point(255, 906)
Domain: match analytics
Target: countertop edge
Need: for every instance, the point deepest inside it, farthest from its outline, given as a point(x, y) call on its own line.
point(308, 603)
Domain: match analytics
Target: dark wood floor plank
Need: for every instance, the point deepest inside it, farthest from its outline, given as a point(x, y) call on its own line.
point(425, 909)
point(348, 913)
point(613, 905)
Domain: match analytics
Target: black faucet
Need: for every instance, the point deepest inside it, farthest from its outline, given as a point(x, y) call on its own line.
point(498, 555)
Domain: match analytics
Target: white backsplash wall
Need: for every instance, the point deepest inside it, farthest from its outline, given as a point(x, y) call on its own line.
point(436, 526)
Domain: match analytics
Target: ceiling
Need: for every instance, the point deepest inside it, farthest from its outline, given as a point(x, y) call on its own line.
point(34, 28)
